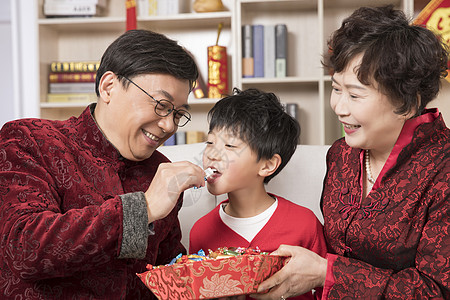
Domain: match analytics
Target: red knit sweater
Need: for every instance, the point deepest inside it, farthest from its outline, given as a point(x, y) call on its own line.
point(290, 224)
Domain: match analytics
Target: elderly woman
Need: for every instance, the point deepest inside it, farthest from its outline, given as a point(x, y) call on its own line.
point(385, 200)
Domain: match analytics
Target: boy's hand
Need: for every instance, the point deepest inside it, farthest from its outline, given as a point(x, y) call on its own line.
point(170, 180)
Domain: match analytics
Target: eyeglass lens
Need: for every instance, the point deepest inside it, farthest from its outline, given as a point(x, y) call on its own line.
point(164, 108)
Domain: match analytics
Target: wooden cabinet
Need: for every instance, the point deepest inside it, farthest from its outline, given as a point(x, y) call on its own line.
point(309, 23)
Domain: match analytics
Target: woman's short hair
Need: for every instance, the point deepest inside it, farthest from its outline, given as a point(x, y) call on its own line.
point(406, 61)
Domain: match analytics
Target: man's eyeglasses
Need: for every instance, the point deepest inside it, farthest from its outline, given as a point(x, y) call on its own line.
point(164, 107)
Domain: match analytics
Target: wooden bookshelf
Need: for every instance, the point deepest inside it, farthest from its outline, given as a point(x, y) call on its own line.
point(309, 23)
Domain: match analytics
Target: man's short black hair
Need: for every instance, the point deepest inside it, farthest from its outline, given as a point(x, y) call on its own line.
point(138, 52)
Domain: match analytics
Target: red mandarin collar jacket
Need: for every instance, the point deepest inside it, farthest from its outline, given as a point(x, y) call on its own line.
point(395, 243)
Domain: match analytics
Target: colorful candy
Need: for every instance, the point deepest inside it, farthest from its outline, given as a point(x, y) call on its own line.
point(220, 253)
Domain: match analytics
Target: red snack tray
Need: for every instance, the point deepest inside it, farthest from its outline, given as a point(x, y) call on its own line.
point(211, 278)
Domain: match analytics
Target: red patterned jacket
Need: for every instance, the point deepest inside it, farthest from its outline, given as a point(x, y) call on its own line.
point(395, 244)
point(73, 217)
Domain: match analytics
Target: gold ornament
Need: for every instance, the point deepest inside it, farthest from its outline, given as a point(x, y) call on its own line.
point(208, 5)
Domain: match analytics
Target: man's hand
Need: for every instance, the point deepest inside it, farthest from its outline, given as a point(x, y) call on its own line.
point(304, 271)
point(170, 180)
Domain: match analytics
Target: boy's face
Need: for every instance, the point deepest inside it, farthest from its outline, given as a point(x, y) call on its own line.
point(236, 165)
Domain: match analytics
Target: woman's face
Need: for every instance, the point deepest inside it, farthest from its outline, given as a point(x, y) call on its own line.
point(367, 114)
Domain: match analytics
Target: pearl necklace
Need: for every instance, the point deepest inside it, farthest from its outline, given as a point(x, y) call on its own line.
point(368, 169)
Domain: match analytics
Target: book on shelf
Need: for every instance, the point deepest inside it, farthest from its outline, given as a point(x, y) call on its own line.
point(247, 51)
point(69, 8)
point(193, 137)
point(269, 51)
point(74, 66)
point(291, 109)
point(185, 137)
point(72, 97)
point(171, 7)
point(102, 3)
point(54, 77)
point(171, 141)
point(264, 51)
point(71, 87)
point(180, 137)
point(258, 50)
point(281, 50)
point(148, 8)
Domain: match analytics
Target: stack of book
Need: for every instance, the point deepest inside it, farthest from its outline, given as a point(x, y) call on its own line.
point(74, 8)
point(291, 109)
point(146, 8)
point(264, 50)
point(72, 81)
point(185, 137)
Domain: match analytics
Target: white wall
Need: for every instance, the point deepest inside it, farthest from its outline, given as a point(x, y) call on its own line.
point(19, 91)
point(7, 107)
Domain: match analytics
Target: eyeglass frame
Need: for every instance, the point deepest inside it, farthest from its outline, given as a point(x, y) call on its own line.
point(173, 110)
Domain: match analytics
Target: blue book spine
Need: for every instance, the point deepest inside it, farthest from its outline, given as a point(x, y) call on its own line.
point(170, 141)
point(258, 50)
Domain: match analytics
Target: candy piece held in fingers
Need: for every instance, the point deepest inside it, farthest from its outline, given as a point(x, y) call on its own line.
point(209, 172)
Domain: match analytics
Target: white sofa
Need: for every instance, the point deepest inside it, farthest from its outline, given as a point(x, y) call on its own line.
point(300, 182)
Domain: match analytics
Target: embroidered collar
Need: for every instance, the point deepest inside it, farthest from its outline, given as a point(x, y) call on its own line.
point(405, 137)
point(349, 202)
point(92, 137)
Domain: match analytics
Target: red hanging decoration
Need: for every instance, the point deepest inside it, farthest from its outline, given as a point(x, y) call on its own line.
point(131, 14)
point(436, 17)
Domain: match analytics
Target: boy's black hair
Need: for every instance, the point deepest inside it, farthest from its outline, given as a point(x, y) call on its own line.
point(406, 60)
point(259, 119)
point(138, 52)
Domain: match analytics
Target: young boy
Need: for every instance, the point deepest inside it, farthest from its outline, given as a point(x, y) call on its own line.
point(251, 138)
